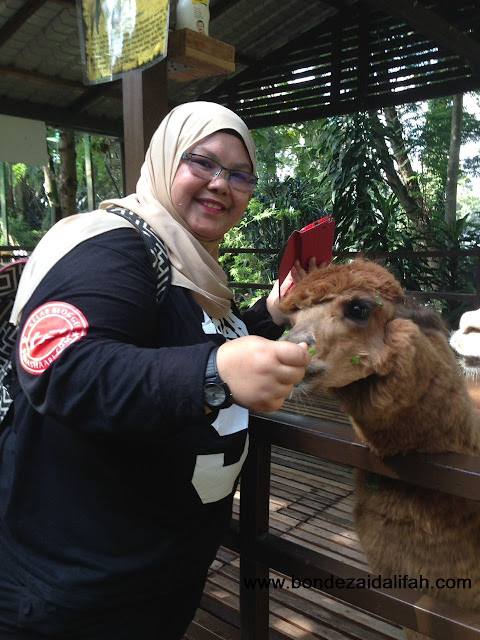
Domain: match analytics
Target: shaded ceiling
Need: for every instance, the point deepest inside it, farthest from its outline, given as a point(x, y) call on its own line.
point(297, 60)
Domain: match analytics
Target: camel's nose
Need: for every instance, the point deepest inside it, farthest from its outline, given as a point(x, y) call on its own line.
point(299, 336)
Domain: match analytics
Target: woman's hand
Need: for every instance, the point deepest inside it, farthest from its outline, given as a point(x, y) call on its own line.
point(296, 275)
point(260, 372)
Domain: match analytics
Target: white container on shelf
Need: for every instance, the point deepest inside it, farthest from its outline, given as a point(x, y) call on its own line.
point(193, 14)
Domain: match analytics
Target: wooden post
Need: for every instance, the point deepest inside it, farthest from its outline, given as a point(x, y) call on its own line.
point(145, 104)
point(254, 520)
point(3, 204)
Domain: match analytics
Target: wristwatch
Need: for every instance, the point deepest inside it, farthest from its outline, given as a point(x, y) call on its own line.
point(216, 390)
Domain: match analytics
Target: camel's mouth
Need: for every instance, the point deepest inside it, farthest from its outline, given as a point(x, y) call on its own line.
point(471, 365)
point(315, 369)
point(308, 378)
point(312, 379)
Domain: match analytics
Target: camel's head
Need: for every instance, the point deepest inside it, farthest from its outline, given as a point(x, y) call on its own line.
point(466, 342)
point(343, 313)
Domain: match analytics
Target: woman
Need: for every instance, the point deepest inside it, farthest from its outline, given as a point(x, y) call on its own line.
point(118, 470)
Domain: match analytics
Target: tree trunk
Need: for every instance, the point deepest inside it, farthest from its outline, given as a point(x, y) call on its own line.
point(19, 199)
point(454, 160)
point(9, 187)
point(404, 184)
point(68, 173)
point(51, 191)
point(409, 176)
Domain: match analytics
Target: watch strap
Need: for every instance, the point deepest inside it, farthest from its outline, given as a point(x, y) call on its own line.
point(212, 378)
point(211, 371)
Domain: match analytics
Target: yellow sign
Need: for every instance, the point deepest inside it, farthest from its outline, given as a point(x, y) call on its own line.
point(121, 35)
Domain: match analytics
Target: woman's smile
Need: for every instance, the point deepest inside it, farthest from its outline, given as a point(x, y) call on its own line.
point(212, 205)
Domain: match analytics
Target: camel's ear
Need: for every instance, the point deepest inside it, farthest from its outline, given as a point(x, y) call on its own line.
point(400, 344)
point(426, 318)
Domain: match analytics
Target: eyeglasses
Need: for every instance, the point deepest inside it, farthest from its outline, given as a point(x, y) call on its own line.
point(204, 167)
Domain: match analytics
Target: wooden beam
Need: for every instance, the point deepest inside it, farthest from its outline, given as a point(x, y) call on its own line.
point(336, 4)
point(66, 4)
point(363, 53)
point(275, 58)
point(18, 19)
point(42, 78)
point(432, 25)
point(89, 94)
point(61, 118)
point(424, 92)
point(145, 104)
point(222, 7)
point(95, 93)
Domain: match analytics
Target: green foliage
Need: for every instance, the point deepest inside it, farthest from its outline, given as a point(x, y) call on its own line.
point(332, 166)
point(19, 172)
point(27, 206)
point(359, 200)
point(469, 204)
point(308, 170)
point(257, 228)
point(29, 212)
point(278, 209)
point(106, 168)
point(428, 138)
point(23, 235)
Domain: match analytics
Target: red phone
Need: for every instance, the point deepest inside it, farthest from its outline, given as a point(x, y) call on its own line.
point(316, 239)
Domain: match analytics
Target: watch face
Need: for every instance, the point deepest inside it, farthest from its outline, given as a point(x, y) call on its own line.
point(215, 395)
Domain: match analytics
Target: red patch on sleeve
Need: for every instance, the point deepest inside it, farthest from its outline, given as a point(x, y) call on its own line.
point(47, 332)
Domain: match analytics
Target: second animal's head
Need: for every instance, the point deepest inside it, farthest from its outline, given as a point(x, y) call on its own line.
point(466, 343)
point(345, 313)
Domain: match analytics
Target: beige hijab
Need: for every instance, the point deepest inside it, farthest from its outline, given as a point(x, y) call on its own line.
point(194, 261)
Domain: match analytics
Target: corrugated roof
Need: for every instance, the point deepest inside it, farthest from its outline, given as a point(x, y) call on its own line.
point(295, 60)
point(356, 60)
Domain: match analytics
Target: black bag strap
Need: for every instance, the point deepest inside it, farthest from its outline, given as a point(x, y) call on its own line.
point(155, 247)
point(10, 275)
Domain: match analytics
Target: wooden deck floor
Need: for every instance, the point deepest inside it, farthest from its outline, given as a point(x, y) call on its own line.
point(311, 503)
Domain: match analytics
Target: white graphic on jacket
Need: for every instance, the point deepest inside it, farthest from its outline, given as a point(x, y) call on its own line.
point(212, 479)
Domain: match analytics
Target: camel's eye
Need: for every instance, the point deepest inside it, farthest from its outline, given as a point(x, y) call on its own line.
point(471, 330)
point(358, 310)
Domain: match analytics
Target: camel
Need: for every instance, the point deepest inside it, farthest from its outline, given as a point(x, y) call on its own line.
point(389, 363)
point(466, 343)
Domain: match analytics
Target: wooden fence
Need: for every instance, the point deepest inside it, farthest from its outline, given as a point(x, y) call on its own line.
point(472, 299)
point(10, 253)
point(260, 550)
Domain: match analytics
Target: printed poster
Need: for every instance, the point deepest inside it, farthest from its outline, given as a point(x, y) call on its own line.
point(117, 36)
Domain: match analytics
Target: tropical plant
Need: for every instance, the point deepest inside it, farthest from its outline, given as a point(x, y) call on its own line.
point(378, 177)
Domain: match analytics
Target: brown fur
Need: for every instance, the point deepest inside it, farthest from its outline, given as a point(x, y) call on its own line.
point(397, 377)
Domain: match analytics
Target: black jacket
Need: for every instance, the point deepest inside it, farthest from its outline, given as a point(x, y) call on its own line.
point(96, 498)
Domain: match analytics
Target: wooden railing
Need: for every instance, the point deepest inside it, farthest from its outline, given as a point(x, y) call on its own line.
point(10, 253)
point(472, 299)
point(260, 550)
